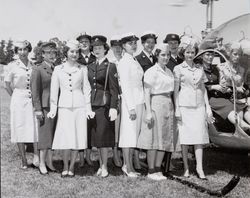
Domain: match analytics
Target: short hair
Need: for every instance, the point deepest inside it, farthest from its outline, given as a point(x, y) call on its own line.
point(106, 48)
point(66, 49)
point(182, 50)
point(157, 53)
point(29, 47)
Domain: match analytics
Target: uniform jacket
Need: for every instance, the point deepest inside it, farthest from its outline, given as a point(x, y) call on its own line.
point(144, 61)
point(131, 75)
point(73, 85)
point(172, 62)
point(97, 75)
point(82, 60)
point(192, 85)
point(40, 86)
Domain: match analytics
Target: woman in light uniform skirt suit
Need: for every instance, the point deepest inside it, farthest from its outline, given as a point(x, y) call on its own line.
point(157, 134)
point(23, 123)
point(73, 106)
point(131, 75)
point(192, 106)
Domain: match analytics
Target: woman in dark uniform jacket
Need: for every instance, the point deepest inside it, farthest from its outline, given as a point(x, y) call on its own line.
point(102, 127)
point(40, 87)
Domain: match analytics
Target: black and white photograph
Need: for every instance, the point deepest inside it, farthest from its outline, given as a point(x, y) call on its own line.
point(125, 98)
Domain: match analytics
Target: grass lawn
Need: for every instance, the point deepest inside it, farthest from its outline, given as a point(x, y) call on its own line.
point(219, 166)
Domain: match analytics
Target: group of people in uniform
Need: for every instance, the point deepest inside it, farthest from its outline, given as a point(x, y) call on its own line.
point(159, 101)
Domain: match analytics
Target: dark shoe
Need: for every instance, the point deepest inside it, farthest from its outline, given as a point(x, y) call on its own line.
point(52, 170)
point(32, 166)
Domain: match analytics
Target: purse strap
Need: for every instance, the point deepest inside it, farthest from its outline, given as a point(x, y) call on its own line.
point(106, 79)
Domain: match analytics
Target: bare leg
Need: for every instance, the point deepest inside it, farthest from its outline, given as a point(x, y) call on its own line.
point(50, 159)
point(137, 159)
point(73, 157)
point(126, 158)
point(199, 156)
point(104, 157)
point(116, 157)
point(185, 159)
point(66, 155)
point(81, 154)
point(36, 154)
point(131, 154)
point(88, 157)
point(159, 158)
point(151, 158)
point(42, 165)
point(21, 148)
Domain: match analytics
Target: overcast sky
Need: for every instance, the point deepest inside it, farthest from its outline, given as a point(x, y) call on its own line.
point(36, 20)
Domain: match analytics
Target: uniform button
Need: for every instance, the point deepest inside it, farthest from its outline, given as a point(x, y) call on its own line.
point(69, 74)
point(27, 70)
point(28, 80)
point(70, 90)
point(27, 87)
point(94, 78)
point(29, 96)
point(70, 79)
point(28, 74)
point(95, 90)
point(94, 83)
point(70, 85)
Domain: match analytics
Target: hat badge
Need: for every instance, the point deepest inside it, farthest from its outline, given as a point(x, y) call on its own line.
point(96, 39)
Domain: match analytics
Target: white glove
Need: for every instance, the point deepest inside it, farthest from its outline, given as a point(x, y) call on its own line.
point(51, 114)
point(90, 114)
point(112, 114)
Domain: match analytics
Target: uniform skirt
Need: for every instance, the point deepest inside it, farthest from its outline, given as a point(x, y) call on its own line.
point(130, 129)
point(71, 129)
point(102, 130)
point(161, 134)
point(46, 131)
point(193, 126)
point(223, 106)
point(23, 123)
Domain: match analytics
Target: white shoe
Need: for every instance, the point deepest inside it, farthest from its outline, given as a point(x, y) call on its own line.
point(129, 174)
point(99, 172)
point(161, 176)
point(104, 173)
point(35, 160)
point(155, 177)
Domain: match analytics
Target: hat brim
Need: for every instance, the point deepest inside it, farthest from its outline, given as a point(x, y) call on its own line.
point(83, 36)
point(205, 51)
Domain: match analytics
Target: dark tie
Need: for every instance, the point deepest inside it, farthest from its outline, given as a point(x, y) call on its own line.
point(151, 58)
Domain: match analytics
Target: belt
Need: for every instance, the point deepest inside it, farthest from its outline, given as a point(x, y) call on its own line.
point(169, 94)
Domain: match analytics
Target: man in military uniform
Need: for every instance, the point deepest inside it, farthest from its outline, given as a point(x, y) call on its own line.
point(146, 57)
point(86, 57)
point(173, 40)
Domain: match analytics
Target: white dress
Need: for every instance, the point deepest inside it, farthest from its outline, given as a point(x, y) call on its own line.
point(131, 75)
point(191, 104)
point(72, 105)
point(23, 123)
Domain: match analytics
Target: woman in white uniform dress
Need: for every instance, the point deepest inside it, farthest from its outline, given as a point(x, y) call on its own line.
point(72, 105)
point(131, 75)
point(192, 107)
point(23, 123)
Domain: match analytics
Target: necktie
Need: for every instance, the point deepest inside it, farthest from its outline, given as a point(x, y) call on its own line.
point(151, 58)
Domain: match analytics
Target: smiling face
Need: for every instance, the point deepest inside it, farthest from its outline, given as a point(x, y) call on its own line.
point(130, 47)
point(173, 45)
point(49, 56)
point(208, 57)
point(85, 44)
point(163, 57)
point(189, 53)
point(149, 45)
point(23, 53)
point(73, 54)
point(99, 51)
